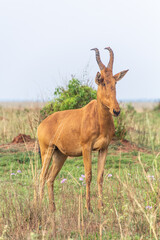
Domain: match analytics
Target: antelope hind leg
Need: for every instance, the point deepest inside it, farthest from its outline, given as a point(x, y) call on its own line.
point(46, 155)
point(58, 161)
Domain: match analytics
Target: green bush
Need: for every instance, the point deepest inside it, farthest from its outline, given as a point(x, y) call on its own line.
point(77, 95)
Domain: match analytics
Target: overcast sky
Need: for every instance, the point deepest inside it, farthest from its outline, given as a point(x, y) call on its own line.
point(43, 43)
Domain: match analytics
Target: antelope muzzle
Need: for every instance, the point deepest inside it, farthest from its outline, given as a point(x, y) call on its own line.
point(116, 113)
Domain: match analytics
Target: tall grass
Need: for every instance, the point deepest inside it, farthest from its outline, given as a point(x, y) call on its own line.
point(142, 128)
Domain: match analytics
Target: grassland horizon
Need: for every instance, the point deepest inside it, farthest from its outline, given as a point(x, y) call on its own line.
point(139, 105)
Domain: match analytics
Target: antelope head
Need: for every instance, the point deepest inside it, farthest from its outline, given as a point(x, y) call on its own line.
point(106, 82)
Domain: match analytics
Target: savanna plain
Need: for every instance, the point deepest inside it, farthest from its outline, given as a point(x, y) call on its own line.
point(131, 188)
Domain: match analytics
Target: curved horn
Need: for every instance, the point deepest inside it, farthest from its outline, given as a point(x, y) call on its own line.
point(110, 64)
point(100, 64)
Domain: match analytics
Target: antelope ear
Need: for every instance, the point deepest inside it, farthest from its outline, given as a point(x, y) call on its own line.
point(120, 75)
point(98, 78)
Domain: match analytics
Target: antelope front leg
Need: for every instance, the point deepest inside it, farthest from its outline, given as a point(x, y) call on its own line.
point(101, 163)
point(88, 174)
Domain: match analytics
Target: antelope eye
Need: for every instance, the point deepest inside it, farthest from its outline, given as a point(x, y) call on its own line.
point(103, 84)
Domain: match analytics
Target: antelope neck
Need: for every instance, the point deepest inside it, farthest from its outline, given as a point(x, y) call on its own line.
point(104, 115)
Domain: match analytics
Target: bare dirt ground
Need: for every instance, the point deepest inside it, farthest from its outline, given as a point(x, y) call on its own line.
point(21, 146)
point(32, 145)
point(127, 146)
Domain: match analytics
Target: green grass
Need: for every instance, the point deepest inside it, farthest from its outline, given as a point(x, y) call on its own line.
point(128, 183)
point(12, 161)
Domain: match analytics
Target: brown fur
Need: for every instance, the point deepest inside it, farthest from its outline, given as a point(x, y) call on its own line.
point(80, 131)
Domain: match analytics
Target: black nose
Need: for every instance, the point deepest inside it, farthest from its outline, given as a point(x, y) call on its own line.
point(116, 113)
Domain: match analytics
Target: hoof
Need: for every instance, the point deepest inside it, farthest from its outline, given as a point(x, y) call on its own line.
point(89, 209)
point(100, 205)
point(52, 207)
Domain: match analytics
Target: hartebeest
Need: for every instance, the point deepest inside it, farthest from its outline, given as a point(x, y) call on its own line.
point(80, 131)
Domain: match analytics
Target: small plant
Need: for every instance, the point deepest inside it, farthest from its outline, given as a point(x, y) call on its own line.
point(130, 109)
point(157, 107)
point(120, 127)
